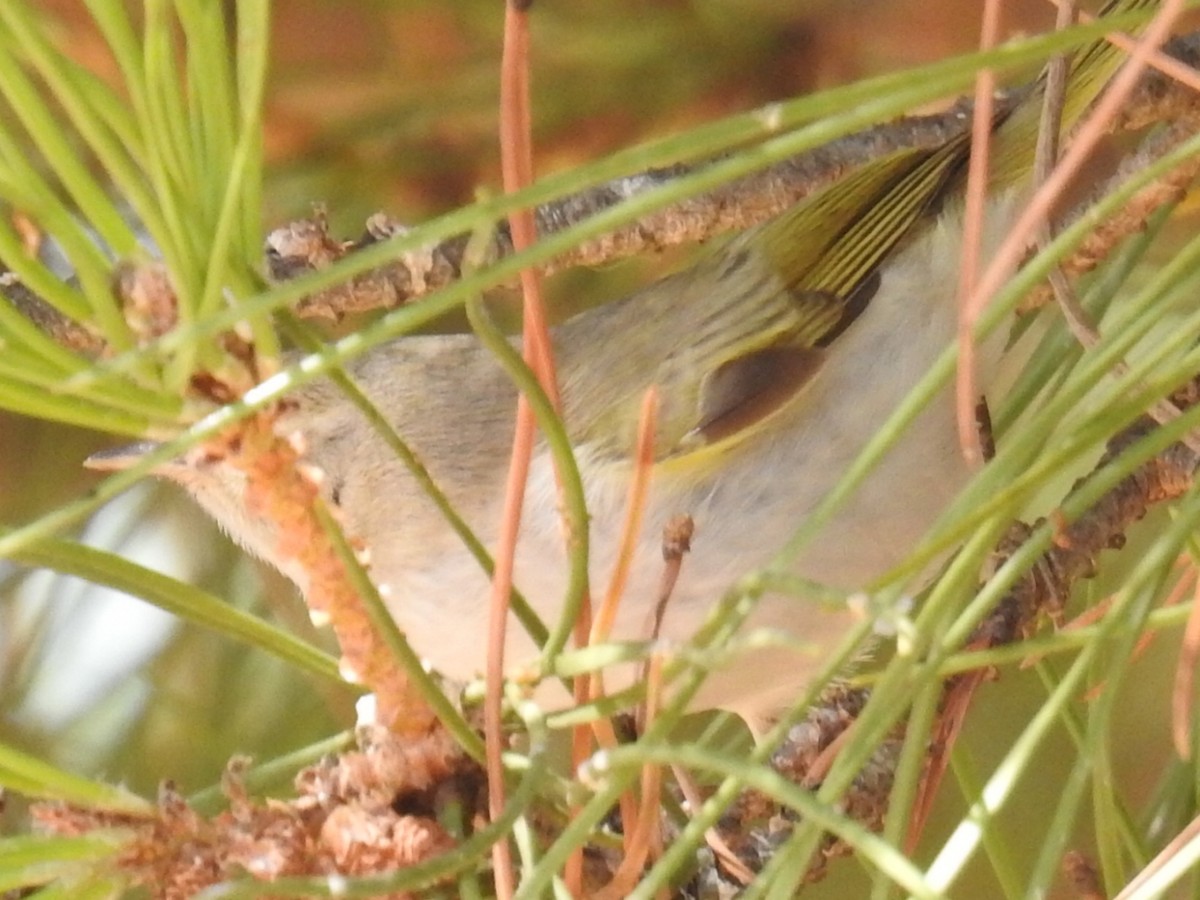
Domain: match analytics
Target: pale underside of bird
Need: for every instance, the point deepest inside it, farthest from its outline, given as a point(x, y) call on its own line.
point(745, 502)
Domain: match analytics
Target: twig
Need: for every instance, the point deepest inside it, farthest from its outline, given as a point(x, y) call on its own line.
point(975, 204)
point(723, 853)
point(591, 688)
point(1073, 555)
point(640, 838)
point(516, 162)
point(64, 331)
point(1184, 692)
point(306, 245)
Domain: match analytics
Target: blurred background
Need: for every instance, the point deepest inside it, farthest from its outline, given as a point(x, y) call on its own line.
point(391, 105)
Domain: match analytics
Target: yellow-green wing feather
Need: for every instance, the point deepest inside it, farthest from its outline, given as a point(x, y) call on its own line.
point(827, 249)
point(906, 186)
point(735, 338)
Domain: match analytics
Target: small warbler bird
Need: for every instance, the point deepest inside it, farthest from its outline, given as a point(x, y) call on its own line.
point(776, 358)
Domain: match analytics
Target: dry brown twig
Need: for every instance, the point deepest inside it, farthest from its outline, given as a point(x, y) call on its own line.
point(345, 819)
point(516, 156)
point(306, 245)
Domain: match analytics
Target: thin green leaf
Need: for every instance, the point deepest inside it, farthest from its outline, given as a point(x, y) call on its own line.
point(183, 600)
point(32, 777)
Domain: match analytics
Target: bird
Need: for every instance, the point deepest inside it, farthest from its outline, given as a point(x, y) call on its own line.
point(775, 357)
